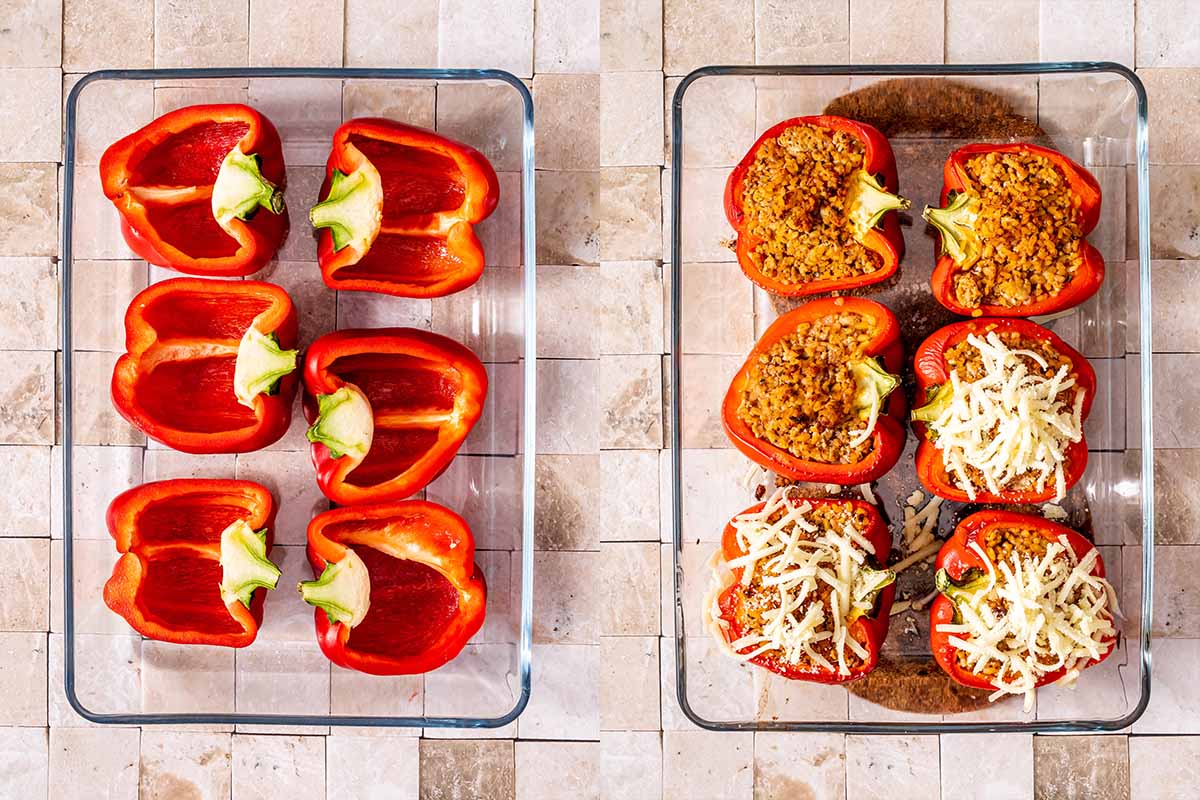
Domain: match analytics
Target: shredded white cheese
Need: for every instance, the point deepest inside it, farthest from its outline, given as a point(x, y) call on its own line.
point(1053, 614)
point(795, 568)
point(920, 522)
point(1010, 422)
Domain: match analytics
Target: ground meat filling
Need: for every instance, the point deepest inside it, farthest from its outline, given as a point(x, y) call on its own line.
point(999, 543)
point(800, 395)
point(794, 198)
point(964, 358)
point(1028, 231)
point(760, 598)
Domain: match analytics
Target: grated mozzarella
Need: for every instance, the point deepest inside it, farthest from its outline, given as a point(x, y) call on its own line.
point(1009, 422)
point(793, 567)
point(1042, 627)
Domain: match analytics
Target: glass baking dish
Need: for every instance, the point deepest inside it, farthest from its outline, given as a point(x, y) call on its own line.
point(110, 674)
point(1095, 113)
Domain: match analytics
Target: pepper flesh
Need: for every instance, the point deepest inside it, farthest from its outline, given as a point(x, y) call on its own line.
point(887, 242)
point(889, 432)
point(399, 209)
point(933, 374)
point(200, 190)
point(425, 393)
point(176, 381)
point(959, 247)
point(428, 597)
point(960, 562)
point(870, 630)
point(167, 582)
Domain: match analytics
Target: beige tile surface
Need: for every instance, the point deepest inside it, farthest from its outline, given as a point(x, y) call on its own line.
point(568, 123)
point(1107, 34)
point(631, 402)
point(718, 121)
point(1077, 767)
point(353, 692)
point(1163, 767)
point(1174, 699)
point(631, 223)
point(104, 760)
point(377, 37)
point(266, 766)
point(26, 754)
point(1167, 34)
point(23, 665)
point(629, 495)
point(694, 31)
point(102, 34)
point(568, 205)
point(1174, 230)
point(289, 477)
point(181, 679)
point(567, 302)
point(633, 609)
point(566, 704)
point(629, 684)
point(281, 38)
point(566, 36)
point(32, 298)
point(25, 575)
point(486, 116)
point(981, 33)
point(1173, 126)
point(364, 767)
point(185, 763)
point(26, 509)
point(569, 611)
point(29, 205)
point(486, 316)
point(708, 764)
point(914, 775)
point(631, 129)
point(207, 33)
point(566, 491)
point(631, 35)
point(1006, 772)
point(568, 402)
point(897, 31)
point(801, 33)
point(805, 764)
point(32, 35)
point(631, 765)
point(27, 402)
point(475, 683)
point(30, 118)
point(467, 768)
point(558, 770)
point(491, 34)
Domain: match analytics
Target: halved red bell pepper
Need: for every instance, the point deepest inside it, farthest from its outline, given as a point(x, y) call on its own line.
point(194, 556)
point(397, 590)
point(398, 210)
point(958, 563)
point(870, 631)
point(389, 408)
point(209, 366)
point(200, 190)
point(872, 205)
point(960, 247)
point(932, 374)
point(883, 357)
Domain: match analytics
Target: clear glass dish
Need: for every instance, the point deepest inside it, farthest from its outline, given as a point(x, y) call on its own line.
point(111, 675)
point(1096, 114)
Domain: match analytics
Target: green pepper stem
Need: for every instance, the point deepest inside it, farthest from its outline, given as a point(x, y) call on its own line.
point(936, 404)
point(956, 224)
point(353, 211)
point(244, 563)
point(959, 592)
point(345, 423)
point(874, 385)
point(240, 189)
point(868, 201)
point(261, 363)
point(343, 591)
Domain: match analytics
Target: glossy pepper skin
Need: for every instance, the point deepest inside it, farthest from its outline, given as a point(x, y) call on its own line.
point(888, 436)
point(959, 560)
point(410, 200)
point(428, 598)
point(162, 177)
point(929, 364)
point(425, 392)
point(175, 382)
point(870, 631)
point(166, 584)
point(1086, 281)
point(878, 161)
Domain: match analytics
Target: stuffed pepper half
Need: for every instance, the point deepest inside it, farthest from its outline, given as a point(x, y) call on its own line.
point(813, 205)
point(1023, 603)
point(1005, 404)
point(800, 587)
point(1012, 227)
point(816, 399)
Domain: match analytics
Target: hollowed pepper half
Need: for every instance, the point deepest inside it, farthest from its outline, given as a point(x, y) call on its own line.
point(397, 590)
point(875, 377)
point(398, 210)
point(961, 572)
point(869, 630)
point(388, 410)
point(935, 389)
point(870, 200)
point(194, 559)
point(209, 365)
point(200, 190)
point(963, 244)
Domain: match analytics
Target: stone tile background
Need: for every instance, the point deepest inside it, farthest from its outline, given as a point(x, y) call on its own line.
point(603, 720)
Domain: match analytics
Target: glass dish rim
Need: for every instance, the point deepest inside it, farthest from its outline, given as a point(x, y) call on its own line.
point(1145, 374)
point(528, 412)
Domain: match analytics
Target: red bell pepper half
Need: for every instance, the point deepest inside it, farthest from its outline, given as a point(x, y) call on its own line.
point(871, 204)
point(876, 376)
point(389, 408)
point(397, 589)
point(870, 630)
point(933, 383)
point(209, 366)
point(194, 555)
point(958, 565)
point(399, 208)
point(200, 190)
point(961, 246)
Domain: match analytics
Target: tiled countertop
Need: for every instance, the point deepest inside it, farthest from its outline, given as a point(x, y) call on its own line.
point(602, 722)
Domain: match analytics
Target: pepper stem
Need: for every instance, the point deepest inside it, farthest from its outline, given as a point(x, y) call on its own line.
point(960, 592)
point(345, 423)
point(260, 365)
point(935, 405)
point(868, 201)
point(872, 581)
point(240, 189)
point(874, 385)
point(343, 591)
point(244, 563)
point(353, 211)
point(956, 224)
